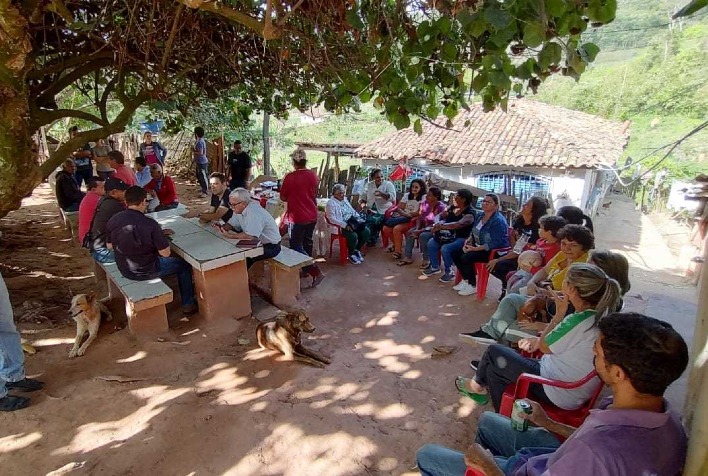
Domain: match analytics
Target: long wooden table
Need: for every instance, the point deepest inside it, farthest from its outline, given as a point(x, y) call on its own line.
point(218, 265)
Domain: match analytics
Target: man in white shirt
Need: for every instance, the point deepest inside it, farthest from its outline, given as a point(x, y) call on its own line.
point(380, 196)
point(254, 223)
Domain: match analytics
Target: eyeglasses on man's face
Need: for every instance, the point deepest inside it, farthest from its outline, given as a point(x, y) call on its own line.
point(234, 205)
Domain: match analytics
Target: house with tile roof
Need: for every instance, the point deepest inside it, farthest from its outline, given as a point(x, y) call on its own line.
point(531, 149)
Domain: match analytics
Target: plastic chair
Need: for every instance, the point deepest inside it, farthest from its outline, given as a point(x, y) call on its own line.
point(574, 418)
point(343, 258)
point(473, 472)
point(483, 272)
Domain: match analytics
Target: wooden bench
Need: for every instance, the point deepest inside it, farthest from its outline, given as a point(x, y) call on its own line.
point(283, 287)
point(144, 300)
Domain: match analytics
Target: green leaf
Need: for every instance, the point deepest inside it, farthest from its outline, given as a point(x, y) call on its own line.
point(477, 27)
point(444, 25)
point(365, 96)
point(550, 54)
point(354, 19)
point(555, 8)
point(498, 18)
point(418, 127)
point(534, 34)
point(517, 88)
point(691, 8)
point(397, 85)
point(589, 51)
point(479, 82)
point(450, 110)
point(401, 121)
point(526, 69)
point(449, 51)
point(602, 11)
point(432, 112)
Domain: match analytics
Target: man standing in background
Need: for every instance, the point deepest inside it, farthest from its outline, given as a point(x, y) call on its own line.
point(201, 161)
point(240, 164)
point(100, 155)
point(82, 159)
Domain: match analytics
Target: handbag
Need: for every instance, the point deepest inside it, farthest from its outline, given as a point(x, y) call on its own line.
point(356, 223)
point(444, 237)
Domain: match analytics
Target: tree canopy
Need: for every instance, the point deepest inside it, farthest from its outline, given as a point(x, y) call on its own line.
point(414, 59)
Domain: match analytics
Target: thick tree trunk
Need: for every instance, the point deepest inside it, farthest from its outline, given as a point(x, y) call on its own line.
point(19, 171)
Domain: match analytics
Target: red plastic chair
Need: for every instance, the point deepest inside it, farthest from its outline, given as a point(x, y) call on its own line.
point(343, 258)
point(483, 272)
point(570, 417)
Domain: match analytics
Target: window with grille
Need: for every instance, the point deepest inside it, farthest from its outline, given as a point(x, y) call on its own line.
point(519, 185)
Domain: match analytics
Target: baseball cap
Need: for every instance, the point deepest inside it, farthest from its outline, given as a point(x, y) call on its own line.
point(113, 183)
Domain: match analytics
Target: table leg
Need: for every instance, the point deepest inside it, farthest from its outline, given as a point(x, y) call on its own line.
point(223, 292)
point(285, 285)
point(147, 321)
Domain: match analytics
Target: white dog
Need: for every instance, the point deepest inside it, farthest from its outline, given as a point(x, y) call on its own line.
point(86, 311)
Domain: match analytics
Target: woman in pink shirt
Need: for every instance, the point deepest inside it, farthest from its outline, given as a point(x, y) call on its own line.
point(87, 208)
point(429, 211)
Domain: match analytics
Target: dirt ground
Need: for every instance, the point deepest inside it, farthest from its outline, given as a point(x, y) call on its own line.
point(204, 401)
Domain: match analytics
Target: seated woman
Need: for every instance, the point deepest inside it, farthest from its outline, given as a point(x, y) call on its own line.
point(525, 234)
point(575, 216)
point(431, 208)
point(450, 235)
point(547, 245)
point(340, 212)
point(576, 241)
point(402, 216)
point(162, 188)
point(489, 232)
point(566, 343)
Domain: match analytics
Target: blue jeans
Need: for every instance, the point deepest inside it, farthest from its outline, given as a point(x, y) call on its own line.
point(504, 318)
point(103, 255)
point(12, 360)
point(83, 175)
point(494, 432)
point(202, 171)
point(446, 251)
point(183, 270)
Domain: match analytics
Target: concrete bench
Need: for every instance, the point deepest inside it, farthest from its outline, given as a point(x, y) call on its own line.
point(144, 300)
point(285, 276)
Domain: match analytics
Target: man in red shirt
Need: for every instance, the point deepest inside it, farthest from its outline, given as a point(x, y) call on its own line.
point(88, 205)
point(299, 190)
point(121, 171)
point(162, 187)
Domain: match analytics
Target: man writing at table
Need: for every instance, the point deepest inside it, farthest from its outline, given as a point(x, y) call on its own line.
point(250, 221)
point(141, 250)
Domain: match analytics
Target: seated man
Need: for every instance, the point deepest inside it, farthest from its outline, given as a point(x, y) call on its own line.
point(116, 160)
point(219, 206)
point(88, 206)
point(69, 195)
point(142, 252)
point(632, 432)
point(254, 223)
point(163, 188)
point(113, 202)
point(142, 172)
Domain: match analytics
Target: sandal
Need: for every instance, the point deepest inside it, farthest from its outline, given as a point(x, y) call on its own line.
point(478, 398)
point(404, 262)
point(396, 255)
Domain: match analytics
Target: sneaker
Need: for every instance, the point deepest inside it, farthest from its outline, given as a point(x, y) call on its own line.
point(354, 259)
point(360, 256)
point(460, 286)
point(477, 337)
point(468, 290)
point(431, 271)
point(317, 280)
point(10, 403)
point(25, 385)
point(447, 278)
point(474, 364)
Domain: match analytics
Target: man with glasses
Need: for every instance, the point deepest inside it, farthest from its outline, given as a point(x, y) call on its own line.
point(250, 221)
point(141, 250)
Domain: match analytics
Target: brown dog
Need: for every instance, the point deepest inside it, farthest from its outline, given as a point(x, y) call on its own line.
point(283, 335)
point(86, 311)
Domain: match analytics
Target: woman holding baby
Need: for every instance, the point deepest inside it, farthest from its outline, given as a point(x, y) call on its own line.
point(490, 231)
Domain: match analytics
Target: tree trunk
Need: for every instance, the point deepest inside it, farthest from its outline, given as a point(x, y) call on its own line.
point(19, 171)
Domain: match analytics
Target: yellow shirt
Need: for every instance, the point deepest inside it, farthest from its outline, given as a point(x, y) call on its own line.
point(557, 268)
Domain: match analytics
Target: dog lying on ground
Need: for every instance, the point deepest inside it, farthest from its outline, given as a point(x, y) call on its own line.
point(86, 311)
point(283, 335)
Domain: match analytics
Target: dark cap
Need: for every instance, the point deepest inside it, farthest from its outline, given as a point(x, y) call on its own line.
point(115, 184)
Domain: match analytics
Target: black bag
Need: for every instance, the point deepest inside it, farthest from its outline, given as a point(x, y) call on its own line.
point(356, 223)
point(444, 236)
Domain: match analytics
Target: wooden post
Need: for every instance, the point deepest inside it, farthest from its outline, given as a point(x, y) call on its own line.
point(696, 404)
point(266, 143)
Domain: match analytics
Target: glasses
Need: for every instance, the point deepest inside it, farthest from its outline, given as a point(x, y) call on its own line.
point(487, 201)
point(234, 205)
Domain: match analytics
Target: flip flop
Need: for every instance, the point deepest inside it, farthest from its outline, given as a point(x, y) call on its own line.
point(396, 255)
point(404, 262)
point(478, 398)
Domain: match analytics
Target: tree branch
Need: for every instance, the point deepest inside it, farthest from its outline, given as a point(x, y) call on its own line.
point(171, 39)
point(43, 117)
point(102, 104)
point(218, 8)
point(67, 80)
